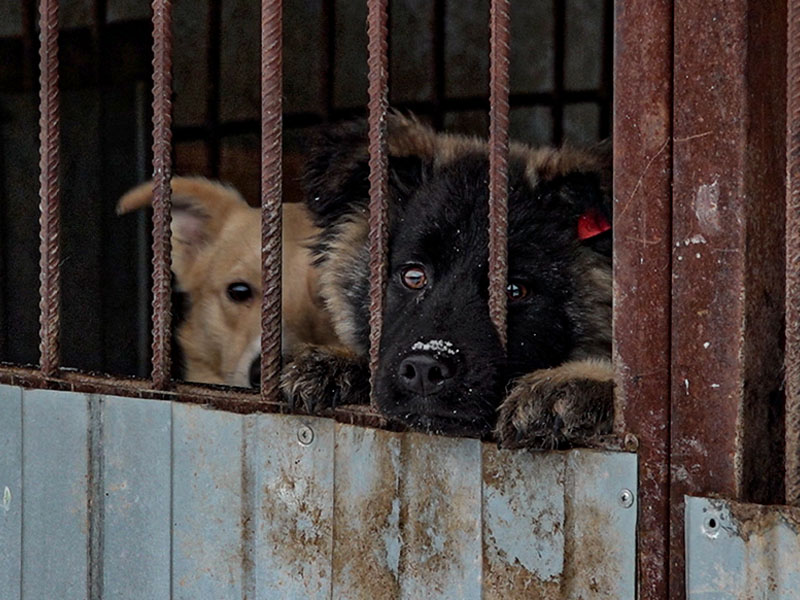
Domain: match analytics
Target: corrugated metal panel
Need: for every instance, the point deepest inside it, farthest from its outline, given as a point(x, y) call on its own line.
point(278, 506)
point(741, 551)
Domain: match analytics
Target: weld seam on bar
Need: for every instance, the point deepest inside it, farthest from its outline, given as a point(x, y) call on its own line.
point(162, 191)
point(499, 26)
point(378, 67)
point(271, 140)
point(49, 192)
point(792, 477)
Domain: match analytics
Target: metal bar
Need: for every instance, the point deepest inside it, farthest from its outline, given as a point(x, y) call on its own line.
point(793, 256)
point(271, 140)
point(162, 192)
point(49, 192)
point(438, 66)
point(378, 67)
point(728, 256)
point(559, 53)
point(213, 86)
point(642, 250)
point(499, 36)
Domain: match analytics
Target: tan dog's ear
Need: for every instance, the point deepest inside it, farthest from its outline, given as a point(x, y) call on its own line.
point(199, 210)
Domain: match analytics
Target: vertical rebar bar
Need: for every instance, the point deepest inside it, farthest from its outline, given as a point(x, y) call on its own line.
point(499, 25)
point(49, 192)
point(271, 146)
point(793, 256)
point(378, 66)
point(162, 172)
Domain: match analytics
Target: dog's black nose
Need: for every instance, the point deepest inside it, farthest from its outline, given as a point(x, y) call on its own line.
point(255, 372)
point(424, 374)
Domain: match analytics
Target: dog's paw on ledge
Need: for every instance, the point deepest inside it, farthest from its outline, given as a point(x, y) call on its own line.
point(321, 377)
point(566, 406)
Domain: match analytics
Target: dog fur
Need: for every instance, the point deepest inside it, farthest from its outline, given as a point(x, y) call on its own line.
point(216, 244)
point(554, 387)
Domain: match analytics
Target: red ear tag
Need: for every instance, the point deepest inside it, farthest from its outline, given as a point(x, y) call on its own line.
point(591, 224)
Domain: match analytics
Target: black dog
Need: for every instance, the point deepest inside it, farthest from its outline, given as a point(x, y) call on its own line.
point(442, 367)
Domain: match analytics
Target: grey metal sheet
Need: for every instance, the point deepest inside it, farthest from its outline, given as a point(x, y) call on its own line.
point(600, 526)
point(10, 491)
point(294, 507)
point(741, 551)
point(207, 538)
point(523, 518)
point(441, 507)
point(136, 477)
point(367, 507)
point(55, 527)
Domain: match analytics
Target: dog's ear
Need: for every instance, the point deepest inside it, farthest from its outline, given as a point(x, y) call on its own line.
point(199, 210)
point(336, 177)
point(575, 186)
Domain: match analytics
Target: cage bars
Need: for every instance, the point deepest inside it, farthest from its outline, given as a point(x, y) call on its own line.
point(162, 173)
point(271, 140)
point(792, 358)
point(49, 192)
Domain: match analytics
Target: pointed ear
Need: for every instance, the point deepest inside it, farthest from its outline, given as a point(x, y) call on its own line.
point(200, 209)
point(336, 176)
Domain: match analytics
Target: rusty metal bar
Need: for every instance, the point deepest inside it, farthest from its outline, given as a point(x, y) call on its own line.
point(378, 67)
point(49, 192)
point(728, 256)
point(499, 36)
point(642, 247)
point(271, 141)
point(162, 173)
point(793, 256)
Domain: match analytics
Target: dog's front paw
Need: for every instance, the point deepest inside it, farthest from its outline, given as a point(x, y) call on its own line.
point(569, 405)
point(320, 377)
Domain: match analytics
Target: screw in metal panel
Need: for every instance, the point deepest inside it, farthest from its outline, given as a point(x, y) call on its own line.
point(305, 435)
point(625, 498)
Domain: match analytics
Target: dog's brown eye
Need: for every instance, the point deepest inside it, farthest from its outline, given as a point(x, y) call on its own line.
point(239, 291)
point(414, 277)
point(516, 291)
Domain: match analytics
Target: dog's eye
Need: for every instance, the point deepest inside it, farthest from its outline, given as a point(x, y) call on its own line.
point(239, 291)
point(516, 291)
point(414, 277)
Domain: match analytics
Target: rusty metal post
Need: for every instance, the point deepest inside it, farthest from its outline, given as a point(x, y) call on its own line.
point(49, 192)
point(378, 66)
point(728, 255)
point(271, 191)
point(162, 173)
point(642, 243)
point(793, 256)
point(499, 36)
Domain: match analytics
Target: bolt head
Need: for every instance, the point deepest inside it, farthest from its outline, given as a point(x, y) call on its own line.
point(305, 435)
point(625, 498)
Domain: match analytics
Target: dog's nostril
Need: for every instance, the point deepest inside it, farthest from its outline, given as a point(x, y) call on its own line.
point(424, 374)
point(255, 372)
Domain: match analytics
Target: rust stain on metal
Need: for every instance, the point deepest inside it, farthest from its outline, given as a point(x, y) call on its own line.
point(49, 192)
point(499, 50)
point(271, 173)
point(378, 65)
point(792, 320)
point(642, 253)
point(727, 289)
point(758, 519)
point(162, 173)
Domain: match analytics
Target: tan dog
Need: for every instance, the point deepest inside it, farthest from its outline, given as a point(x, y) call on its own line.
point(216, 260)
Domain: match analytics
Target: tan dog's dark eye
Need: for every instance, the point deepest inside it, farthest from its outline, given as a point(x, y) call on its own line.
point(414, 277)
point(516, 291)
point(239, 291)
